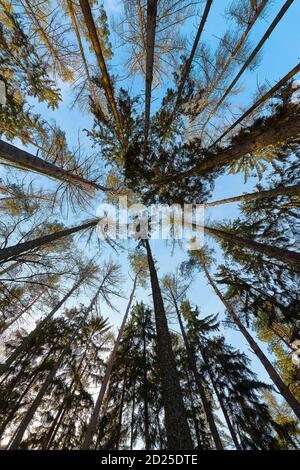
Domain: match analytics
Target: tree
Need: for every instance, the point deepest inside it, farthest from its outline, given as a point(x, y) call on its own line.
point(178, 434)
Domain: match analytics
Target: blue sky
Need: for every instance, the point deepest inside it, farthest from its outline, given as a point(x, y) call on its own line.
point(280, 54)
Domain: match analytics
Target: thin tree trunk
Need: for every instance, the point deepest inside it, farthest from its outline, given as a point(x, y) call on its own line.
point(290, 257)
point(94, 418)
point(26, 341)
point(120, 418)
point(259, 102)
point(222, 404)
point(274, 376)
point(17, 317)
point(255, 51)
point(132, 417)
point(198, 379)
point(107, 85)
point(188, 64)
point(194, 412)
point(30, 162)
point(150, 46)
point(177, 429)
point(84, 61)
point(269, 193)
point(145, 389)
point(240, 43)
point(47, 383)
point(6, 254)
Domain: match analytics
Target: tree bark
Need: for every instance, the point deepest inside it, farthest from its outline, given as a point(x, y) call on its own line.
point(94, 418)
point(274, 376)
point(107, 85)
point(177, 429)
point(150, 45)
point(290, 257)
point(259, 102)
point(30, 162)
point(6, 254)
point(269, 193)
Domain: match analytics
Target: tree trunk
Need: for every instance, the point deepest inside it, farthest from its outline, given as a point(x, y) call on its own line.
point(146, 409)
point(94, 418)
point(220, 400)
point(198, 379)
point(132, 418)
point(274, 376)
point(259, 102)
point(281, 130)
point(177, 429)
point(285, 191)
point(6, 254)
point(47, 383)
point(26, 341)
point(17, 317)
point(290, 257)
point(188, 64)
point(120, 418)
point(150, 46)
point(256, 50)
point(30, 162)
point(107, 85)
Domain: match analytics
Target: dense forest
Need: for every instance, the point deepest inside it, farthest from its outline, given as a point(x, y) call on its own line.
point(110, 343)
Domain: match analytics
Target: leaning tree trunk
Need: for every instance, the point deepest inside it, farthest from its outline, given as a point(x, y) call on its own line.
point(27, 161)
point(177, 429)
point(220, 400)
point(91, 429)
point(198, 379)
point(20, 314)
point(106, 81)
point(290, 257)
point(47, 383)
point(258, 103)
point(150, 45)
point(9, 253)
point(274, 376)
point(282, 129)
point(285, 191)
point(256, 50)
point(26, 341)
point(120, 417)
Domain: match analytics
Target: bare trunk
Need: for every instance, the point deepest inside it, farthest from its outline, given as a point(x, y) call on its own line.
point(274, 376)
point(290, 257)
point(30, 162)
point(254, 53)
point(108, 88)
point(6, 254)
point(177, 429)
point(284, 191)
point(259, 102)
point(151, 26)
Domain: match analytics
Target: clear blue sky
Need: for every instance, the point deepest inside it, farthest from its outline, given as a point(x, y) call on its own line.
point(280, 54)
